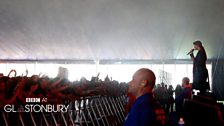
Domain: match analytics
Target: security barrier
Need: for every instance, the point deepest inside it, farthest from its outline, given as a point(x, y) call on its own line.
point(84, 111)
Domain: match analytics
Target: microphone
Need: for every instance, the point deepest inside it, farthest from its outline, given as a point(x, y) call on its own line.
point(191, 51)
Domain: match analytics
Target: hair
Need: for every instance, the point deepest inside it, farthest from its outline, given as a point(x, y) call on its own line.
point(186, 80)
point(199, 43)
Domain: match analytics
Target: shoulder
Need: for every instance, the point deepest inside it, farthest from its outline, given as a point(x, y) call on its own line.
point(148, 106)
point(145, 105)
point(152, 112)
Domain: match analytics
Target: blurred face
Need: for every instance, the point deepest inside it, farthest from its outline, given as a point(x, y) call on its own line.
point(134, 84)
point(185, 81)
point(35, 78)
point(196, 47)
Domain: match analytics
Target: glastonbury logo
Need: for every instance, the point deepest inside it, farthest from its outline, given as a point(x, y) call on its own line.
point(34, 105)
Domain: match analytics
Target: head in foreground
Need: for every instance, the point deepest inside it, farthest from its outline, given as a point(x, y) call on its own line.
point(142, 82)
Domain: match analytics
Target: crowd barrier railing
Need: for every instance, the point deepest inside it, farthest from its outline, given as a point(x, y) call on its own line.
point(84, 111)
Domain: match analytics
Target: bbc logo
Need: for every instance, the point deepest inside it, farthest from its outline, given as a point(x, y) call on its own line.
point(32, 99)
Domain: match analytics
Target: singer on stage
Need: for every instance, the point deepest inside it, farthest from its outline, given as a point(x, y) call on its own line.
point(200, 72)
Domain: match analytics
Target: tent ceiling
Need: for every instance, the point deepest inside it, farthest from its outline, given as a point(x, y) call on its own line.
point(109, 29)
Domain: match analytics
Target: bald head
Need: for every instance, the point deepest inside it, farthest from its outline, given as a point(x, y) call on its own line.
point(147, 75)
point(142, 82)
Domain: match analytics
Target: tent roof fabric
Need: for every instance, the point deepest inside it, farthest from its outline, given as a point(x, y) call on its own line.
point(110, 29)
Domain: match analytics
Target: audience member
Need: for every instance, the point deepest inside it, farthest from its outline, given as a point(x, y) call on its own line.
point(185, 94)
point(160, 94)
point(170, 102)
point(145, 110)
point(178, 90)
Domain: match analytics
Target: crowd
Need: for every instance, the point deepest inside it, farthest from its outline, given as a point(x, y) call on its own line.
point(183, 99)
point(167, 96)
point(173, 103)
point(15, 90)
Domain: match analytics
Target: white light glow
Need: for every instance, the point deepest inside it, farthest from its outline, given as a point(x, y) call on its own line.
point(119, 72)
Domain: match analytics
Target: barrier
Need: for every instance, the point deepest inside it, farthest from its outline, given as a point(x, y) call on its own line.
point(84, 111)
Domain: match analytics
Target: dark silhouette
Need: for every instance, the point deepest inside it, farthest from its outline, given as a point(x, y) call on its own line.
point(200, 72)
